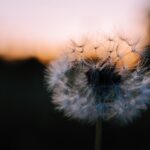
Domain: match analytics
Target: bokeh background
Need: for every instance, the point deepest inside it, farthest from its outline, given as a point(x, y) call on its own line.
point(32, 34)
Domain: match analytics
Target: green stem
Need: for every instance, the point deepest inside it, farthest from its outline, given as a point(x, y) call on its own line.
point(98, 134)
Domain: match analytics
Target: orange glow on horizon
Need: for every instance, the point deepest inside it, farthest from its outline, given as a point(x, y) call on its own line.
point(20, 51)
point(41, 29)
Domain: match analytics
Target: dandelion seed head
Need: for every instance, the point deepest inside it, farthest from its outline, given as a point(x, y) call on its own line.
point(99, 82)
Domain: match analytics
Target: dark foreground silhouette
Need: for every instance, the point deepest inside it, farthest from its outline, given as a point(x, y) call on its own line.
point(29, 121)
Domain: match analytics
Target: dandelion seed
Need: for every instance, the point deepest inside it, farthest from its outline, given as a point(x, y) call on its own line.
point(88, 87)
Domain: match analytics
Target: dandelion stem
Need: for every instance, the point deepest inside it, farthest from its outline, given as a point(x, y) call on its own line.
point(98, 134)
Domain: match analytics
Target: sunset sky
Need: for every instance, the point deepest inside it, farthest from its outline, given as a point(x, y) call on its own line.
point(40, 27)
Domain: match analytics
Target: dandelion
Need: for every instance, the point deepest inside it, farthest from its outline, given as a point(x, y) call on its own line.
point(106, 81)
